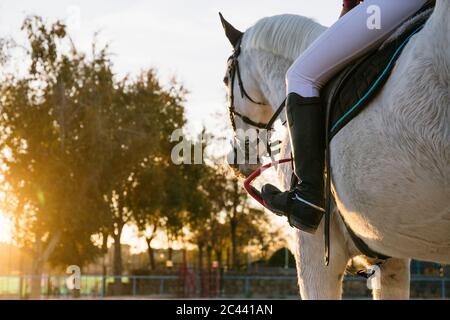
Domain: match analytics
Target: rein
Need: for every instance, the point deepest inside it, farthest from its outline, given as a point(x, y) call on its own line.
point(251, 190)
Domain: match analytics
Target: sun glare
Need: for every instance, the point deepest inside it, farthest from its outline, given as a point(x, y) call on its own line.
point(5, 229)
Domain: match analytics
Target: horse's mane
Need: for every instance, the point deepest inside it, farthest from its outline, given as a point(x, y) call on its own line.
point(284, 35)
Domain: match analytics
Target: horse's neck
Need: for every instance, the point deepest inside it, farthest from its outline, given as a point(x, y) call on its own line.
point(272, 71)
point(272, 77)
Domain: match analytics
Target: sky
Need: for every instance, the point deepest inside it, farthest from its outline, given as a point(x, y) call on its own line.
point(181, 39)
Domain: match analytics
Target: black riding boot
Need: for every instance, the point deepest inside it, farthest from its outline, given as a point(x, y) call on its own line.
point(303, 205)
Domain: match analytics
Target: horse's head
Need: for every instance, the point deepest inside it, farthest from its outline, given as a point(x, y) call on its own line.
point(248, 107)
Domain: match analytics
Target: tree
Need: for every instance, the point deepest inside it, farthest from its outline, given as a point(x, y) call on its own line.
point(146, 204)
point(246, 224)
point(4, 46)
point(74, 138)
point(139, 120)
point(42, 130)
point(220, 216)
point(156, 192)
point(157, 202)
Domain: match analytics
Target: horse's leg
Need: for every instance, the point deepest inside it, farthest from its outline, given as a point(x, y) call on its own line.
point(395, 280)
point(317, 281)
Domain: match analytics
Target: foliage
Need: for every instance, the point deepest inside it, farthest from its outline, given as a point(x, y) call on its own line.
point(75, 137)
point(84, 153)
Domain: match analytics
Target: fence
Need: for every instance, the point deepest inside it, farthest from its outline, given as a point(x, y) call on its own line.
point(216, 286)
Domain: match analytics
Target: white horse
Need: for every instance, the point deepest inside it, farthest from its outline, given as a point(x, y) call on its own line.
point(390, 165)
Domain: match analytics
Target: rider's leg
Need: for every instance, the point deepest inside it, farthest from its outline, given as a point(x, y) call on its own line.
point(349, 38)
point(346, 40)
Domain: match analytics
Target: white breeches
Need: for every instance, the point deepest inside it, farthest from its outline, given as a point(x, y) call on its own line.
point(364, 27)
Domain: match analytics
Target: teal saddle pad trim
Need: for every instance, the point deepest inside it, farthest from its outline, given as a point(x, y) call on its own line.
point(377, 82)
point(350, 91)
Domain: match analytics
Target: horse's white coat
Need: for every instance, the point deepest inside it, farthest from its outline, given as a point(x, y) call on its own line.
point(390, 165)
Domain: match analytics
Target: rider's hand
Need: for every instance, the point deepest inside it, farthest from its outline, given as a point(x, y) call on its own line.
point(349, 5)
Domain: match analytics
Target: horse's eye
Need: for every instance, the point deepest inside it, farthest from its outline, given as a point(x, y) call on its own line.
point(225, 80)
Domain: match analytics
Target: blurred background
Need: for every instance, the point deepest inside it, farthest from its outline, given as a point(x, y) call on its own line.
point(90, 94)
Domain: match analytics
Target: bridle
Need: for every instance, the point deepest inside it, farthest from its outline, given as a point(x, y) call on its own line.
point(234, 72)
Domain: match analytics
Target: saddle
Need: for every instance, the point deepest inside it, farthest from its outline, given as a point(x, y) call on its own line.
point(352, 89)
point(349, 92)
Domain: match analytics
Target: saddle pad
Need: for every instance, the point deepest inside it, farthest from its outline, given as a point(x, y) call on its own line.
point(353, 88)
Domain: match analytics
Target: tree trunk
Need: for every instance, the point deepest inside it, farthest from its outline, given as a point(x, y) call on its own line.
point(200, 269)
point(200, 256)
point(219, 257)
point(117, 263)
point(220, 271)
point(170, 253)
point(40, 257)
point(234, 254)
point(36, 272)
point(151, 254)
point(184, 257)
point(209, 272)
point(233, 227)
point(209, 256)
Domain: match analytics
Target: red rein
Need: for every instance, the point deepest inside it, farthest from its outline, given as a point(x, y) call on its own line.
point(252, 191)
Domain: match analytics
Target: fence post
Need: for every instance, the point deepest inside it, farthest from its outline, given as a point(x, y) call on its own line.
point(221, 283)
point(161, 287)
point(134, 286)
point(247, 286)
point(103, 286)
point(198, 284)
point(21, 281)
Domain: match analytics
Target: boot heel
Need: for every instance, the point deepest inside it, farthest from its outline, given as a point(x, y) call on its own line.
point(295, 223)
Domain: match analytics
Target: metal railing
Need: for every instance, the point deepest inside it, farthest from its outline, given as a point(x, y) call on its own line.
point(226, 286)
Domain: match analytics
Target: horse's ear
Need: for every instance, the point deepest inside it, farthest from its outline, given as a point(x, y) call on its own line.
point(231, 32)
